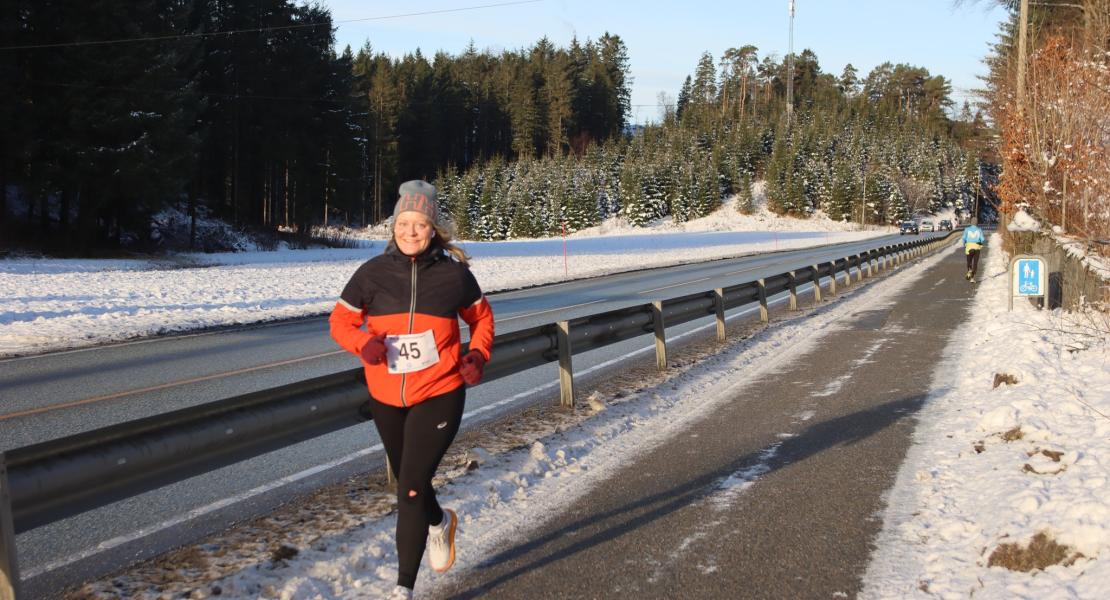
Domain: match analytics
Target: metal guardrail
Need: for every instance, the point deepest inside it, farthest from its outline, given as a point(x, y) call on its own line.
point(57, 479)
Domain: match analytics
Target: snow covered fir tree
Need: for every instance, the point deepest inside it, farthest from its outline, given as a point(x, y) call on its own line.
point(872, 152)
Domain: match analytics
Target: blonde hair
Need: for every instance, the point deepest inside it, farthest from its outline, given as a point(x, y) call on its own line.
point(444, 238)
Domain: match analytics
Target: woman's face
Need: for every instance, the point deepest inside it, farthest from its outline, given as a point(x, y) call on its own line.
point(413, 232)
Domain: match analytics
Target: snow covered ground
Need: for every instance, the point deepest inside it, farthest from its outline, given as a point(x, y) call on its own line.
point(57, 304)
point(998, 460)
point(990, 466)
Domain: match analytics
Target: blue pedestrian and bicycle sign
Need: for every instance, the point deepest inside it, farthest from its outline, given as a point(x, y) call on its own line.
point(1028, 278)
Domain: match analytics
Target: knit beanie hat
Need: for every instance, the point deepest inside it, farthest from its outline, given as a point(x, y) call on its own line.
point(419, 196)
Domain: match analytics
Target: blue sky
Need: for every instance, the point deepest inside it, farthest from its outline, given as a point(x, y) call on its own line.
point(666, 39)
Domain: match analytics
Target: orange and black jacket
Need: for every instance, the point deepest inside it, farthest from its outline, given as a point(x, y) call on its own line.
point(398, 294)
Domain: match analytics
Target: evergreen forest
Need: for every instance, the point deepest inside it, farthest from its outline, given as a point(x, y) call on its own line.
point(244, 110)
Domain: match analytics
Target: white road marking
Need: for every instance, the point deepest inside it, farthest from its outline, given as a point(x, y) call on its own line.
point(667, 287)
point(551, 310)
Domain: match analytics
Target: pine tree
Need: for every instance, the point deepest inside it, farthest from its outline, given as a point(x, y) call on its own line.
point(849, 81)
point(896, 207)
point(744, 196)
point(634, 205)
point(781, 191)
point(581, 209)
point(702, 100)
point(683, 98)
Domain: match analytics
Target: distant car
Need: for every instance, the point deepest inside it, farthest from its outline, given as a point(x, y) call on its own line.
point(927, 225)
point(908, 227)
point(945, 225)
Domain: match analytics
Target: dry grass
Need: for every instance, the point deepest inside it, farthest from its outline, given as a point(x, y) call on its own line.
point(283, 552)
point(1013, 435)
point(1001, 378)
point(1053, 455)
point(1028, 468)
point(1041, 552)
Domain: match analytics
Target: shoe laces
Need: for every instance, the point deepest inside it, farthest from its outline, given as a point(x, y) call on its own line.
point(439, 540)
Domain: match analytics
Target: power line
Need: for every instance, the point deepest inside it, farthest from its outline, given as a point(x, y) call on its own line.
point(172, 92)
point(264, 29)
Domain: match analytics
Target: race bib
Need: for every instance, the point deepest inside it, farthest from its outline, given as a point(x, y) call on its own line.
point(411, 352)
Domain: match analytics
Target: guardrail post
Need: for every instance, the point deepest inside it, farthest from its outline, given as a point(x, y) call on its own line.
point(660, 334)
point(762, 288)
point(566, 373)
point(719, 308)
point(793, 290)
point(9, 566)
point(832, 278)
point(859, 268)
point(816, 283)
point(847, 271)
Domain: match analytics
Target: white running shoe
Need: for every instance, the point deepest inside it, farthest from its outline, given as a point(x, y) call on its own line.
point(441, 542)
point(400, 593)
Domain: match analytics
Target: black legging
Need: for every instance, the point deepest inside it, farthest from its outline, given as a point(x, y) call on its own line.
point(973, 261)
point(415, 440)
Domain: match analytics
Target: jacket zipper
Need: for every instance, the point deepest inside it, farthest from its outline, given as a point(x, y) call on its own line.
point(412, 316)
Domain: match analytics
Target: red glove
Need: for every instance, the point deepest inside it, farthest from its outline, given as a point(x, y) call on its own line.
point(374, 350)
point(470, 367)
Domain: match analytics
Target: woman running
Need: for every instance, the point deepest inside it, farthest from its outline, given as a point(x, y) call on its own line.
point(410, 298)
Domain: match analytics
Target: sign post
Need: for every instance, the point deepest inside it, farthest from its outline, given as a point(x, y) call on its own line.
point(1028, 278)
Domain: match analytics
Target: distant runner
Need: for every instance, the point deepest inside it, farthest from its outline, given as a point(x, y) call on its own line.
point(973, 242)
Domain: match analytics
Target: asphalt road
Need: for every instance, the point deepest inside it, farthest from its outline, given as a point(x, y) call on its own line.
point(59, 394)
point(825, 436)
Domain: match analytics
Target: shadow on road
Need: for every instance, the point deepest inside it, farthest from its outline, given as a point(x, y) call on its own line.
point(564, 542)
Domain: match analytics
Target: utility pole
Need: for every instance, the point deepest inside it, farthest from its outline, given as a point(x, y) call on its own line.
point(978, 184)
point(327, 169)
point(1023, 44)
point(790, 68)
